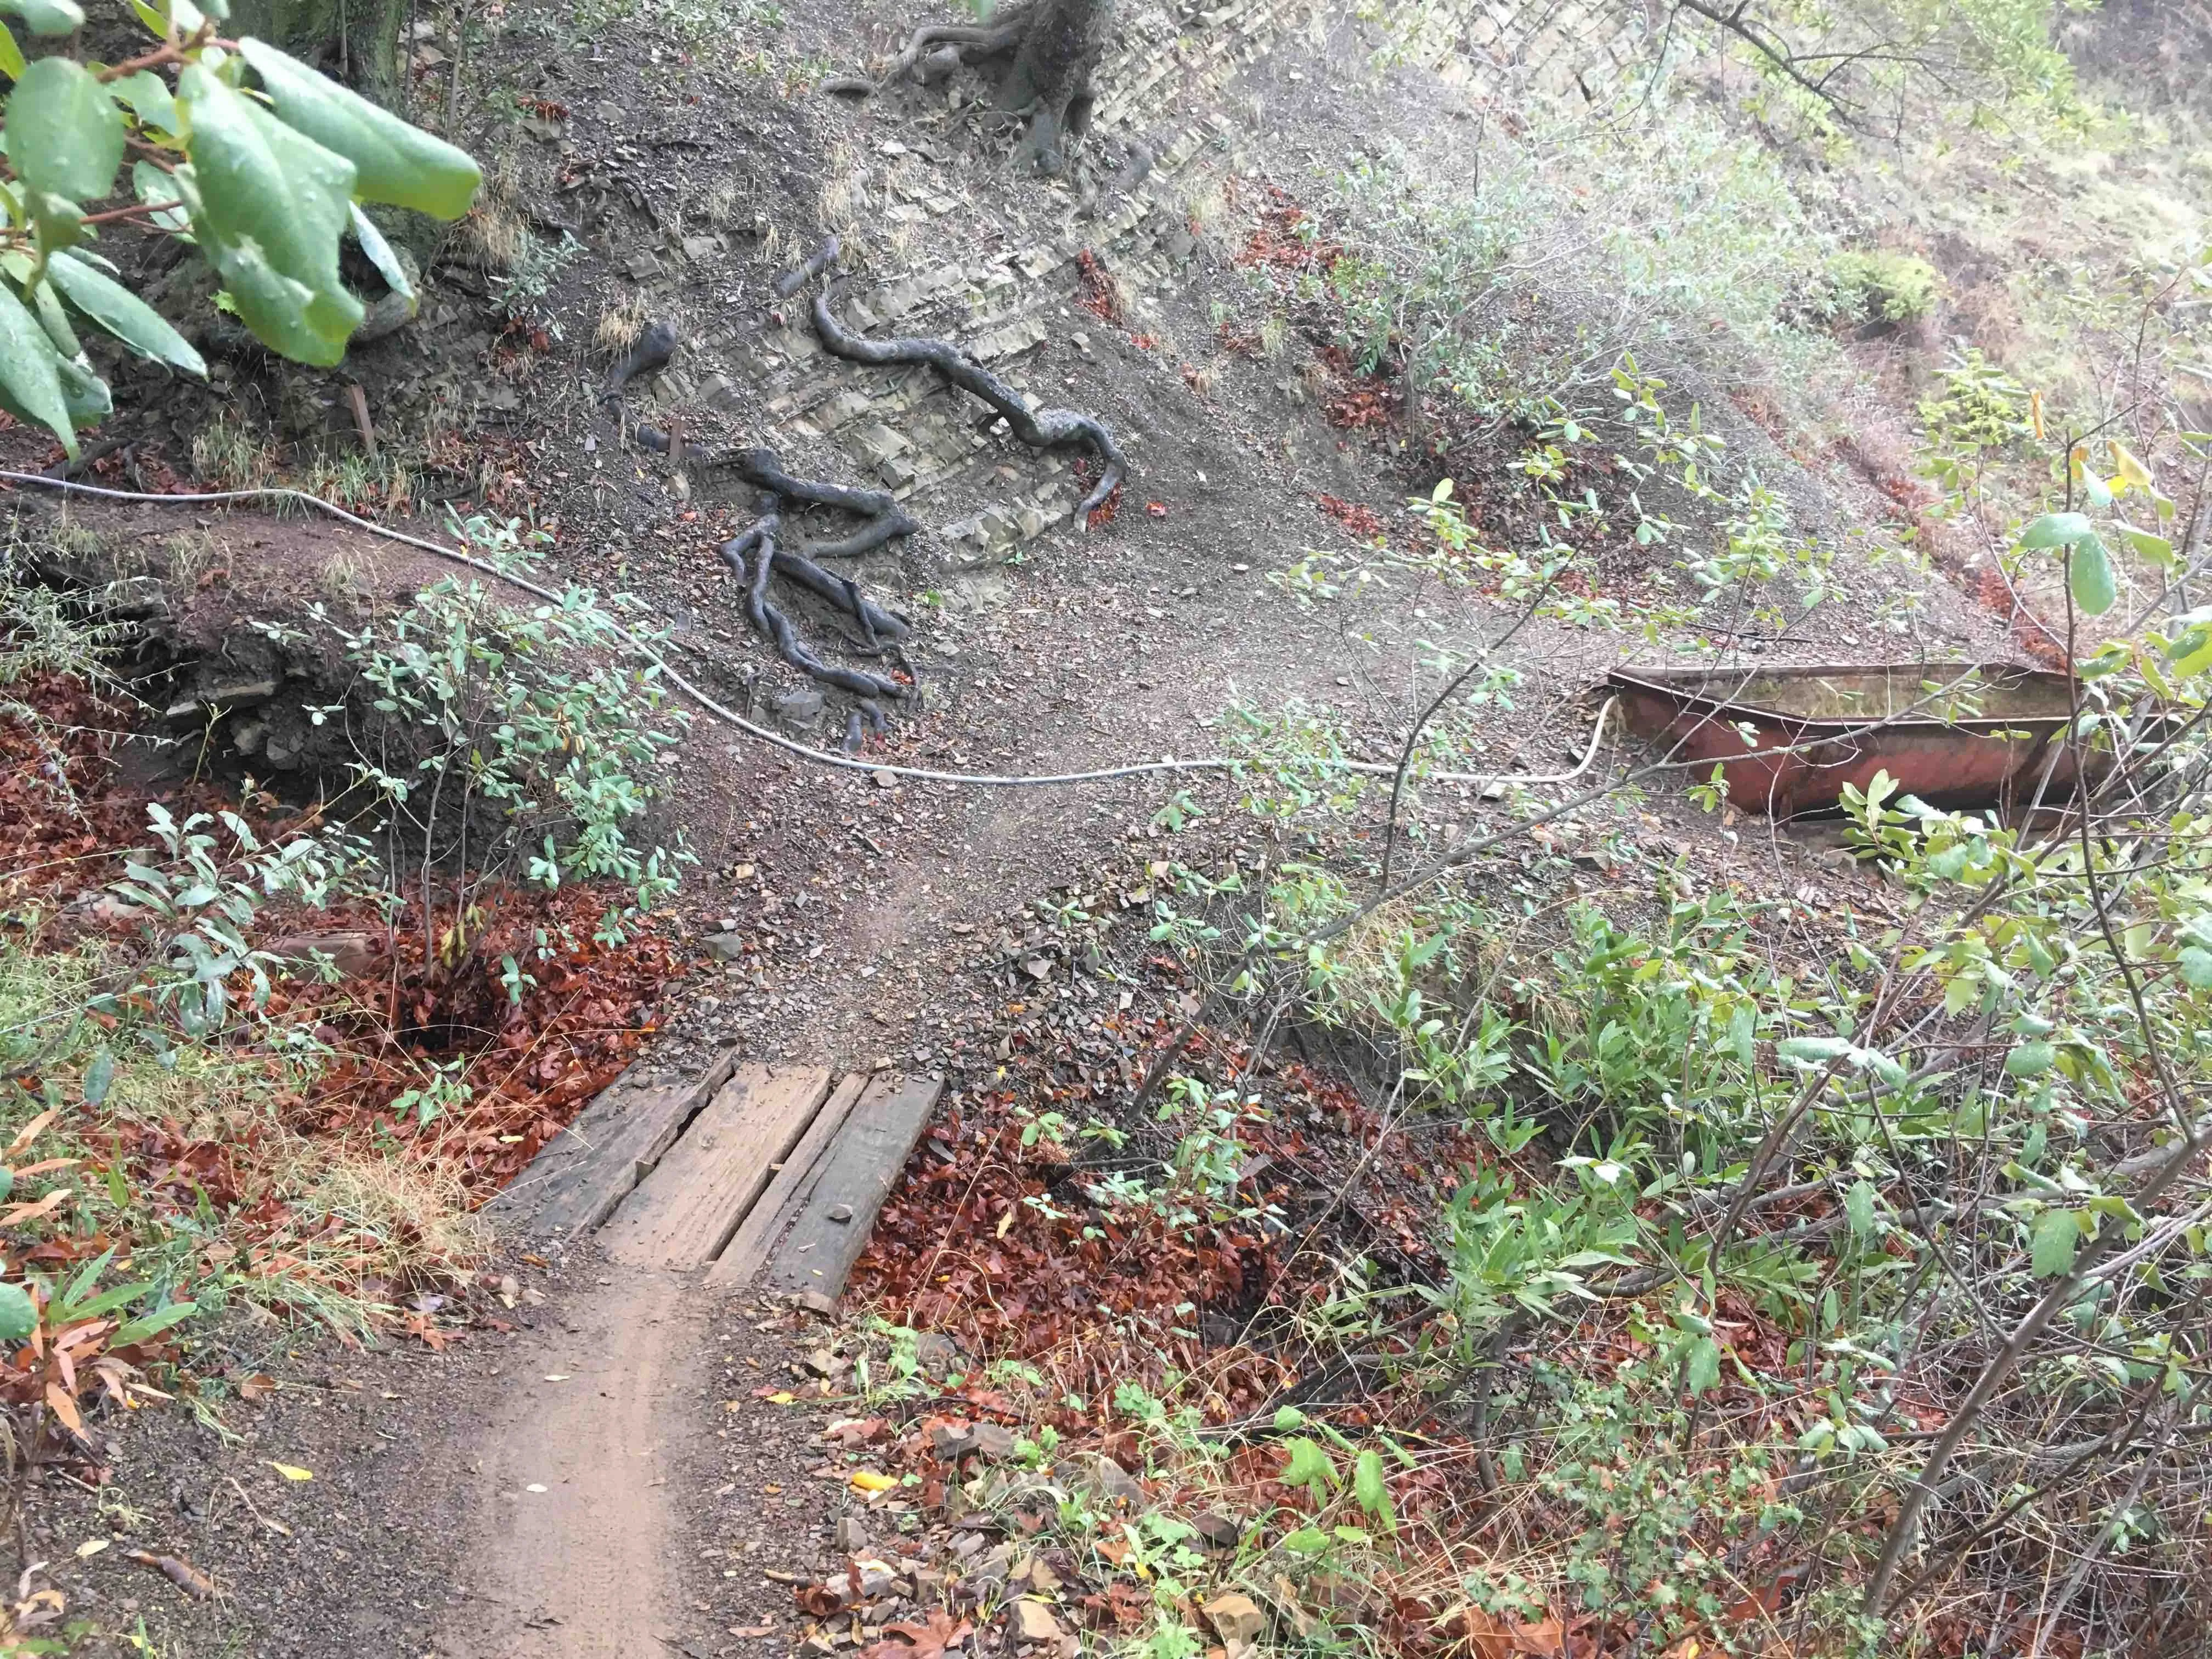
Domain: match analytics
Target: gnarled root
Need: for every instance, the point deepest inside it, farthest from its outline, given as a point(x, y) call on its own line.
point(935, 50)
point(1043, 428)
point(812, 266)
point(760, 543)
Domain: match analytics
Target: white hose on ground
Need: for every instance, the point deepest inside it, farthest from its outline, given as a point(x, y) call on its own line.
point(819, 756)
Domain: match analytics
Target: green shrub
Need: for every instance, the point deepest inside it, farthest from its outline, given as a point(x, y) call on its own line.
point(1882, 287)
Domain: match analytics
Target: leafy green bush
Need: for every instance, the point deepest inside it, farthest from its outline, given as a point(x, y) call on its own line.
point(1903, 1196)
point(1882, 286)
point(511, 742)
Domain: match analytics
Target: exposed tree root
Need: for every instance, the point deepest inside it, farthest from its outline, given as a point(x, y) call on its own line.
point(1056, 45)
point(652, 350)
point(1043, 428)
point(812, 266)
point(760, 543)
point(935, 50)
point(755, 557)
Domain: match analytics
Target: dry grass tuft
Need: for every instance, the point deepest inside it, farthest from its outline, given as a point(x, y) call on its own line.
point(495, 235)
point(845, 199)
point(621, 321)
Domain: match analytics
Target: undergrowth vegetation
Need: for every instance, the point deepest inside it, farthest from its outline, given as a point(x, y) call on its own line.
point(1696, 1267)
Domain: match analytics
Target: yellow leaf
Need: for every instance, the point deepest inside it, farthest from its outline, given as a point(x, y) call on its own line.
point(64, 1408)
point(781, 1397)
point(292, 1472)
point(90, 1546)
point(1005, 1222)
point(869, 1481)
point(2133, 470)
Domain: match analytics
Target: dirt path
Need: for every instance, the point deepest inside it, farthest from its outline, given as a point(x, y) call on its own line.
point(571, 1482)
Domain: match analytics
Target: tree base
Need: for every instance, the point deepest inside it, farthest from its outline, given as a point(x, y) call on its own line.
point(1056, 45)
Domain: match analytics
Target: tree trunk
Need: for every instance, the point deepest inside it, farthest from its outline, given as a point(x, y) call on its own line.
point(1051, 76)
point(355, 41)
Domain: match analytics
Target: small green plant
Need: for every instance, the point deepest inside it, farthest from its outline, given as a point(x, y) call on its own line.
point(513, 742)
point(1981, 415)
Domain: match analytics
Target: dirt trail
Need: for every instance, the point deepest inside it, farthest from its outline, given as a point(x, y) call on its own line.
point(572, 1485)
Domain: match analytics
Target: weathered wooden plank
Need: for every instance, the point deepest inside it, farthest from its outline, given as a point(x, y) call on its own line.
point(579, 1176)
point(749, 1247)
point(856, 1176)
point(683, 1212)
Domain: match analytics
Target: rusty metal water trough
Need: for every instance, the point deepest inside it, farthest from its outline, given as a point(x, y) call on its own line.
point(1956, 734)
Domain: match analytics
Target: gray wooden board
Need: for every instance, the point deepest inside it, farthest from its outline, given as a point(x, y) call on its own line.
point(580, 1175)
point(683, 1212)
point(743, 1257)
point(857, 1170)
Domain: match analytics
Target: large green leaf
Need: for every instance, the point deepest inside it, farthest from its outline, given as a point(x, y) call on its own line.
point(11, 55)
point(148, 95)
point(55, 320)
point(2055, 530)
point(1701, 1367)
point(395, 162)
point(387, 263)
point(2057, 1234)
point(19, 1315)
point(1859, 1208)
point(64, 133)
point(269, 204)
point(123, 314)
point(2146, 544)
point(155, 185)
point(2089, 569)
point(30, 381)
point(47, 16)
point(152, 1324)
point(184, 14)
point(1308, 1465)
point(1371, 1490)
point(84, 394)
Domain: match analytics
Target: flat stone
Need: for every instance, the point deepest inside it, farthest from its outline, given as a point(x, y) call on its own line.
point(1218, 1530)
point(1235, 1618)
point(820, 1305)
point(800, 708)
point(238, 693)
point(697, 248)
point(725, 947)
point(938, 1354)
point(1114, 1482)
point(880, 442)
